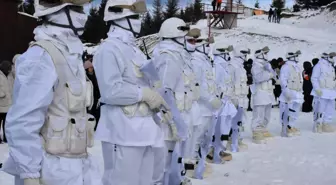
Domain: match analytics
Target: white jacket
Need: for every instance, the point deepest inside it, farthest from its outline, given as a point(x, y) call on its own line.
point(262, 88)
point(224, 77)
point(205, 75)
point(176, 72)
point(125, 119)
point(241, 88)
point(5, 92)
point(291, 83)
point(323, 79)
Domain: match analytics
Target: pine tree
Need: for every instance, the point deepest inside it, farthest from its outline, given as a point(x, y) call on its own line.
point(188, 13)
point(198, 11)
point(279, 4)
point(146, 25)
point(256, 5)
point(239, 2)
point(181, 14)
point(96, 28)
point(171, 9)
point(157, 16)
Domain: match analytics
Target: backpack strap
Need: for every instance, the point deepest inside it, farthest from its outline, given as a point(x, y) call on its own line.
point(55, 54)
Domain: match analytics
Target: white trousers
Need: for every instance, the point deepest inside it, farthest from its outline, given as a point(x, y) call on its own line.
point(169, 148)
point(236, 123)
point(125, 165)
point(289, 113)
point(159, 165)
point(325, 110)
point(261, 115)
point(67, 171)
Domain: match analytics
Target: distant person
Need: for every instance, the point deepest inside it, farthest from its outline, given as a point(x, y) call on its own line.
point(219, 4)
point(90, 73)
point(5, 94)
point(274, 17)
point(278, 15)
point(315, 61)
point(213, 3)
point(307, 87)
point(270, 14)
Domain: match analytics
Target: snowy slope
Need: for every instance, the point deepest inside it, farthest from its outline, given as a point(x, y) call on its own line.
point(305, 160)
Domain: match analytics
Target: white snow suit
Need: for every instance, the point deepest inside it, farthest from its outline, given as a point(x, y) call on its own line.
point(239, 99)
point(48, 131)
point(224, 80)
point(262, 93)
point(291, 97)
point(323, 79)
point(173, 64)
point(208, 90)
point(126, 126)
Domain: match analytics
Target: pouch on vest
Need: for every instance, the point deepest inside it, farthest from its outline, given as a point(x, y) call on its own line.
point(179, 97)
point(75, 96)
point(188, 100)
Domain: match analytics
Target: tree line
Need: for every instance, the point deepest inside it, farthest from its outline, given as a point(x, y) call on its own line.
point(96, 29)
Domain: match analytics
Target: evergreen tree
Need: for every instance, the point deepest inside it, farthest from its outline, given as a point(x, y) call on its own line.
point(188, 13)
point(181, 15)
point(146, 25)
point(198, 11)
point(171, 9)
point(157, 16)
point(256, 5)
point(239, 2)
point(96, 28)
point(279, 4)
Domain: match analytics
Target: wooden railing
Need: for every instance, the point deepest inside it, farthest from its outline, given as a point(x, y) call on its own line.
point(229, 7)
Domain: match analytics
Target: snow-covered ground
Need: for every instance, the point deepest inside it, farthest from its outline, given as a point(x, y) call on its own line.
point(309, 159)
point(305, 160)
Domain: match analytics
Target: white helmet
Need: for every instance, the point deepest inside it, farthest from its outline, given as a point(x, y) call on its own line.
point(242, 52)
point(293, 56)
point(47, 7)
point(222, 50)
point(43, 8)
point(173, 28)
point(262, 53)
point(118, 9)
point(331, 57)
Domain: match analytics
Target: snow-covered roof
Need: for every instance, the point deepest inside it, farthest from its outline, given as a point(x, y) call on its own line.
point(254, 8)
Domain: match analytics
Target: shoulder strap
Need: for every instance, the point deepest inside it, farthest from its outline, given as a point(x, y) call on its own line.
point(56, 55)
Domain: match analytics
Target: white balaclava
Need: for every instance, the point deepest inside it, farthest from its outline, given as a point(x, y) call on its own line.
point(129, 24)
point(69, 19)
point(188, 46)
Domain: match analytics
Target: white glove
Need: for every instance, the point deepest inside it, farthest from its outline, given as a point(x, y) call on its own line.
point(31, 181)
point(153, 99)
point(318, 92)
point(216, 103)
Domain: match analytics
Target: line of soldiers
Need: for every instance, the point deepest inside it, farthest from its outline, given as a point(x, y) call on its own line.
point(162, 118)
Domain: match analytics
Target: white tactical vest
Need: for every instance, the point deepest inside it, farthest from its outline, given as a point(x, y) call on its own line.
point(68, 130)
point(294, 81)
point(185, 98)
point(241, 88)
point(327, 79)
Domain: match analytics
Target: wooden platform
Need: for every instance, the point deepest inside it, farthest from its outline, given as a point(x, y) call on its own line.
point(223, 19)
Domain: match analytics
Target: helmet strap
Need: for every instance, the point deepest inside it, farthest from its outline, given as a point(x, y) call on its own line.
point(70, 26)
point(136, 35)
